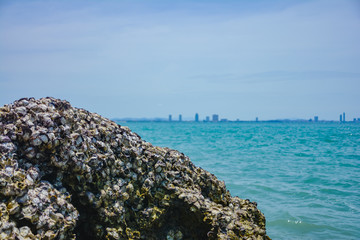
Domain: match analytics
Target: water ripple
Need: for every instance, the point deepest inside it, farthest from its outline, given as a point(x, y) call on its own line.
point(304, 177)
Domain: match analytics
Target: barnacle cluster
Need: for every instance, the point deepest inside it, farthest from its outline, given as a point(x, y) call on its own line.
point(66, 173)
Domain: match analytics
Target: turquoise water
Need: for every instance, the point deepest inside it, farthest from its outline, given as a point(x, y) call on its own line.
point(305, 177)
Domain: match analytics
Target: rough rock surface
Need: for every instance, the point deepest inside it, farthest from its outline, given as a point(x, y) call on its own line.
point(66, 173)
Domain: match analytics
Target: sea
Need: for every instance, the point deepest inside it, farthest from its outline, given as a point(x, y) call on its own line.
point(305, 177)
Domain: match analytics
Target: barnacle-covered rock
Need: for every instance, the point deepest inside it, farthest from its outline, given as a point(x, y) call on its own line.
point(66, 173)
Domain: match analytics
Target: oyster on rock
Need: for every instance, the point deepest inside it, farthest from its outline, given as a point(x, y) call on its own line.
point(66, 173)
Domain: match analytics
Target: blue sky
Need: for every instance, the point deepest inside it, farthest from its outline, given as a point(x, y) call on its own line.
point(240, 59)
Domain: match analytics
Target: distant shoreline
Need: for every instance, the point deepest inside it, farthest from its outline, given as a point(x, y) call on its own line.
point(228, 121)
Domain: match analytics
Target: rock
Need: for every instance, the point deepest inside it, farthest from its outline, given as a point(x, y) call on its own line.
point(66, 173)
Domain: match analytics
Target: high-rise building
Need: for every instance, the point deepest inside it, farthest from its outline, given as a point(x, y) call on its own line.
point(340, 118)
point(180, 117)
point(316, 119)
point(256, 119)
point(215, 117)
point(170, 118)
point(207, 119)
point(344, 117)
point(196, 117)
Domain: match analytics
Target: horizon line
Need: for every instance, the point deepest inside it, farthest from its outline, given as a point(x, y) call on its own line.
point(158, 119)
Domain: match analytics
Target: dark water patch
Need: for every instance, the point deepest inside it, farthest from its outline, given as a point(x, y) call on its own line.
point(333, 191)
point(302, 154)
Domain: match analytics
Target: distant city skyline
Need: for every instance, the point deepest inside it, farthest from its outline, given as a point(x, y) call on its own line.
point(239, 59)
point(218, 118)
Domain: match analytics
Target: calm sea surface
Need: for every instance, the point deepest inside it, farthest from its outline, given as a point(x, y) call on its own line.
point(305, 177)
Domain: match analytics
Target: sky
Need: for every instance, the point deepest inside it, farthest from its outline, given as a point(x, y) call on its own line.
point(240, 59)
